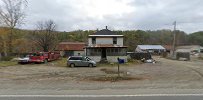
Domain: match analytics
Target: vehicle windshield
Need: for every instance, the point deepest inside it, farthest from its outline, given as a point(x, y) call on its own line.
point(36, 54)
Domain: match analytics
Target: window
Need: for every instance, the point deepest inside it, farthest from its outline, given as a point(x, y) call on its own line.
point(108, 50)
point(75, 58)
point(119, 50)
point(112, 50)
point(72, 58)
point(93, 40)
point(116, 50)
point(114, 40)
point(79, 58)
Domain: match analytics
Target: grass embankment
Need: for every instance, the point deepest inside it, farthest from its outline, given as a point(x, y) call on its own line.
point(61, 62)
point(7, 63)
point(130, 62)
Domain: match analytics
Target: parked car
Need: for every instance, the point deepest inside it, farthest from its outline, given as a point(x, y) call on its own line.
point(24, 60)
point(80, 61)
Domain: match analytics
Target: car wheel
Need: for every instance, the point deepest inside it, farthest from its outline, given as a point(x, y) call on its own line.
point(90, 65)
point(72, 65)
point(45, 61)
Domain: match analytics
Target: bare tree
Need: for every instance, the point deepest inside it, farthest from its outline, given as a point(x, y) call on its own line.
point(45, 36)
point(12, 14)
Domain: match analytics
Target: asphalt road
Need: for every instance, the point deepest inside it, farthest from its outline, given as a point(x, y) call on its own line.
point(112, 97)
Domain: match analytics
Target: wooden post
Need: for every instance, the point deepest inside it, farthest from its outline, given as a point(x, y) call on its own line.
point(118, 70)
point(118, 66)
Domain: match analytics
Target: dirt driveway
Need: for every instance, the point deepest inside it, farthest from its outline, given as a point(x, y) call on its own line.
point(162, 75)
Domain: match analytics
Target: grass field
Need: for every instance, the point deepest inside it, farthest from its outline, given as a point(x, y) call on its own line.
point(7, 63)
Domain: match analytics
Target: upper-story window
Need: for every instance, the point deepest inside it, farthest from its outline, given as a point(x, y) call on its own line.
point(93, 40)
point(114, 40)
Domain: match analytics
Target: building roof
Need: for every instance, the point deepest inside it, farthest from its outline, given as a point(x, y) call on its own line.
point(72, 46)
point(106, 46)
point(105, 35)
point(145, 47)
point(105, 32)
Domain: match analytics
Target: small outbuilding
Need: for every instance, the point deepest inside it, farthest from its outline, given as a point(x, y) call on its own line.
point(154, 49)
point(71, 48)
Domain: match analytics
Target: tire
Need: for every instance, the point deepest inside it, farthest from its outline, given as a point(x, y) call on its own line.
point(72, 65)
point(45, 61)
point(90, 65)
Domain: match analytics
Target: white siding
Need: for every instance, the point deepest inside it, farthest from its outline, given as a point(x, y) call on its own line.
point(108, 40)
point(120, 41)
point(104, 40)
point(89, 41)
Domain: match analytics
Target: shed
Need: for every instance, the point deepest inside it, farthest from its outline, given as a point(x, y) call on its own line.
point(150, 48)
point(71, 48)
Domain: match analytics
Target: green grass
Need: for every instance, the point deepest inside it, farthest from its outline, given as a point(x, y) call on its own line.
point(7, 63)
point(131, 62)
point(61, 62)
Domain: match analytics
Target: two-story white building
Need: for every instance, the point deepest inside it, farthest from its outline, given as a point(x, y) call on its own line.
point(106, 45)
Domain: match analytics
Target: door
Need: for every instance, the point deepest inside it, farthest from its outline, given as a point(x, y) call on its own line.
point(103, 55)
point(79, 61)
point(85, 62)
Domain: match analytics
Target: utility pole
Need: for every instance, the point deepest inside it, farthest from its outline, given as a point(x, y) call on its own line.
point(174, 39)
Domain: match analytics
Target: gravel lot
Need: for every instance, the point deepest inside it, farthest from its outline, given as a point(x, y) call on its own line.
point(165, 74)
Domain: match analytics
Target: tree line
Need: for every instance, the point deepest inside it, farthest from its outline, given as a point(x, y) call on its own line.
point(45, 37)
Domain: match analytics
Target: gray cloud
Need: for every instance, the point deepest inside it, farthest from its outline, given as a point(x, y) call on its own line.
point(122, 15)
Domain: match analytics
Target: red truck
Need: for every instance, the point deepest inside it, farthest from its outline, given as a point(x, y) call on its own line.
point(44, 57)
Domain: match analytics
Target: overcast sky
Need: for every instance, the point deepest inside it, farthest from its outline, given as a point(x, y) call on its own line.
point(117, 14)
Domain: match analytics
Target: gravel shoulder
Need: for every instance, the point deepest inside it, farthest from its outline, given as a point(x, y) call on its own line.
point(165, 74)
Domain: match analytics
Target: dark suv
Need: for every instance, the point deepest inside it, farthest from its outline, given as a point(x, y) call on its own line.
point(80, 61)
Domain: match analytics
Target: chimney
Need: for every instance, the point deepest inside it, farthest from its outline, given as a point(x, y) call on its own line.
point(106, 27)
